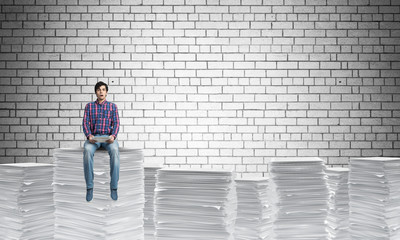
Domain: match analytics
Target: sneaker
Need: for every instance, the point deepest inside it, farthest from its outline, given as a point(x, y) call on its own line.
point(89, 194)
point(114, 194)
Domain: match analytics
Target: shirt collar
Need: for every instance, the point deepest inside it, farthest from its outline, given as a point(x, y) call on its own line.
point(97, 101)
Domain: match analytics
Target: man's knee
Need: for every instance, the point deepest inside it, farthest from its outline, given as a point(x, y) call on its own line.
point(88, 148)
point(114, 149)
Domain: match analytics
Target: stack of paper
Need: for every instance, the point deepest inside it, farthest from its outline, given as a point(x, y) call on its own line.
point(254, 211)
point(195, 204)
point(26, 201)
point(102, 218)
point(338, 212)
point(149, 186)
point(374, 193)
point(301, 199)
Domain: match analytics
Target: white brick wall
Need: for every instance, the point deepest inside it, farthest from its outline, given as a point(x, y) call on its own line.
point(223, 83)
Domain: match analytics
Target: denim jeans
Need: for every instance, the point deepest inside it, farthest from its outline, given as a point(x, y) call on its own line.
point(88, 153)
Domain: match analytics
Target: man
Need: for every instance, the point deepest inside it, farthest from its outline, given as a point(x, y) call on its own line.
point(101, 120)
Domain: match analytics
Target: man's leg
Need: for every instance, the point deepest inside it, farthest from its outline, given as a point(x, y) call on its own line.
point(113, 151)
point(88, 153)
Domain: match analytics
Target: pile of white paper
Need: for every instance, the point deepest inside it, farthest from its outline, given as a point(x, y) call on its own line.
point(149, 186)
point(338, 212)
point(195, 204)
point(253, 220)
point(102, 218)
point(26, 201)
point(301, 199)
point(374, 193)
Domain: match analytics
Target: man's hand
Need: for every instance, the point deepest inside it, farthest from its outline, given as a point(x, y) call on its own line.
point(111, 140)
point(91, 139)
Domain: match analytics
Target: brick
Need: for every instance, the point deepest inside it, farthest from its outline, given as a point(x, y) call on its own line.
point(370, 153)
point(37, 152)
point(16, 152)
point(8, 73)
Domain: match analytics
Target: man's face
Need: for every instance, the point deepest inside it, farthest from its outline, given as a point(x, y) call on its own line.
point(101, 93)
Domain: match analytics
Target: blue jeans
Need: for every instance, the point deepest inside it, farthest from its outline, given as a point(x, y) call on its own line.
point(88, 153)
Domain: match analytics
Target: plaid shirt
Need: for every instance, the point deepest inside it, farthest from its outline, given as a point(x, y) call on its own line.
point(101, 118)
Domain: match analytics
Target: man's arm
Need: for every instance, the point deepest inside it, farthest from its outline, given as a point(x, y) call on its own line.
point(115, 123)
point(86, 123)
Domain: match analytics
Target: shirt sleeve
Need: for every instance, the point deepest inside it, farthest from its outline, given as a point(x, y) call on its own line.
point(115, 122)
point(86, 122)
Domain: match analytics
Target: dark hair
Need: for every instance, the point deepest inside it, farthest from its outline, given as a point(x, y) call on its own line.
point(99, 84)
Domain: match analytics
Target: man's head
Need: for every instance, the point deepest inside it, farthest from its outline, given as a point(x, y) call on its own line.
point(101, 90)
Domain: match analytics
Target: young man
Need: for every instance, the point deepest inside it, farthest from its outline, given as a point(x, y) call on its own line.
point(101, 120)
